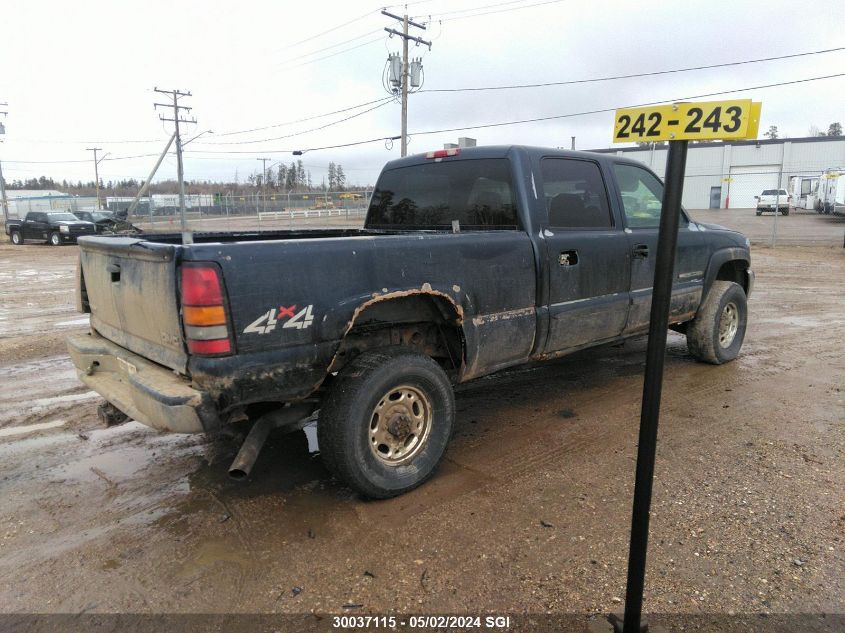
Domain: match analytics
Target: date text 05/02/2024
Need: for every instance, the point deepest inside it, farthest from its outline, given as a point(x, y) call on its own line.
point(421, 621)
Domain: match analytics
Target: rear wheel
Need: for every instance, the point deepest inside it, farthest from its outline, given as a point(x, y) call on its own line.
point(16, 238)
point(385, 423)
point(718, 330)
point(55, 239)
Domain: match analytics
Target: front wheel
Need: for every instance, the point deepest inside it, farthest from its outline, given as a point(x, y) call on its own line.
point(718, 330)
point(55, 239)
point(385, 423)
point(16, 238)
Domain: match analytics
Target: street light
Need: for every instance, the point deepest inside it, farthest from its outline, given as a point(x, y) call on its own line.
point(193, 138)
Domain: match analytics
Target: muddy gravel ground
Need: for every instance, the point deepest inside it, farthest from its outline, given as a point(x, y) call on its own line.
point(529, 512)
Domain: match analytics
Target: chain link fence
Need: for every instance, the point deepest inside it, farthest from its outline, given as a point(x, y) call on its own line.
point(252, 212)
point(742, 188)
point(19, 207)
point(769, 206)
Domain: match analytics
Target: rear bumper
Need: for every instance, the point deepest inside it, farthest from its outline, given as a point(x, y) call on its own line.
point(149, 393)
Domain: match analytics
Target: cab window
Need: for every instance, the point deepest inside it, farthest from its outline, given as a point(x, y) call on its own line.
point(575, 194)
point(642, 196)
point(477, 193)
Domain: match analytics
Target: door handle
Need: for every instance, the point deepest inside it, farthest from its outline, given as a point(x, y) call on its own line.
point(568, 258)
point(641, 251)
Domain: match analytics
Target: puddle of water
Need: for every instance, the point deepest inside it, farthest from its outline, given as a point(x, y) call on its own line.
point(109, 467)
point(20, 430)
point(211, 552)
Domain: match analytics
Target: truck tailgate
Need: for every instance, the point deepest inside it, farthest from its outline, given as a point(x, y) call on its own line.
point(132, 293)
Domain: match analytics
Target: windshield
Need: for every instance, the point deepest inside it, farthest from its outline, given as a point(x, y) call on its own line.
point(100, 216)
point(774, 192)
point(63, 217)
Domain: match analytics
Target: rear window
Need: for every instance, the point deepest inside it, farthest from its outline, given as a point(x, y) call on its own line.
point(774, 192)
point(476, 193)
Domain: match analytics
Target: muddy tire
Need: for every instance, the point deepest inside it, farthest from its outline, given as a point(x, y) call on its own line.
point(718, 330)
point(55, 239)
point(785, 212)
point(759, 213)
point(385, 423)
point(15, 238)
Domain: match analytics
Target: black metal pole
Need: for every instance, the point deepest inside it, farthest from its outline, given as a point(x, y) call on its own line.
point(658, 325)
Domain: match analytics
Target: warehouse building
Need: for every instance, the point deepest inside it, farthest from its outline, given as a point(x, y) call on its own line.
point(728, 175)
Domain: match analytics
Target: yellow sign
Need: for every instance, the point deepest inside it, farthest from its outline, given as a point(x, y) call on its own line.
point(696, 121)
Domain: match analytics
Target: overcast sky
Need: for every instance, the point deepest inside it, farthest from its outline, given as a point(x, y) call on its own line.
point(78, 74)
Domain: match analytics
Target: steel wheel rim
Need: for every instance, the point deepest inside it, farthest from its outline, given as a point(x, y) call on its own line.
point(399, 425)
point(728, 324)
point(54, 240)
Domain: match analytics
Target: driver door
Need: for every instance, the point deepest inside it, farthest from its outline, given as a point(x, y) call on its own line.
point(641, 194)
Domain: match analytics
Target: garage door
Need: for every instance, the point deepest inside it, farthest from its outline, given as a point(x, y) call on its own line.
point(749, 181)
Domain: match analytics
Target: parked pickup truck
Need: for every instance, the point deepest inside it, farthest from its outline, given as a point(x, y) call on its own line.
point(52, 227)
point(470, 261)
point(774, 200)
point(103, 222)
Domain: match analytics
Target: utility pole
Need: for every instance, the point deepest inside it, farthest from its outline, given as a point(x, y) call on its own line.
point(96, 172)
point(175, 94)
point(3, 201)
point(263, 183)
point(405, 67)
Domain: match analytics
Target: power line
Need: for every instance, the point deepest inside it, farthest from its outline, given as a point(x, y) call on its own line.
point(327, 48)
point(476, 15)
point(548, 118)
point(478, 8)
point(340, 52)
point(560, 83)
point(469, 89)
point(310, 118)
point(633, 75)
point(638, 105)
point(382, 103)
point(469, 127)
point(55, 162)
point(327, 31)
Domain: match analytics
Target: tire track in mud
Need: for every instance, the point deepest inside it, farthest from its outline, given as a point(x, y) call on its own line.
point(41, 389)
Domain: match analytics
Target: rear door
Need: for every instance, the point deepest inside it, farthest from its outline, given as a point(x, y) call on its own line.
point(587, 256)
point(641, 194)
point(35, 226)
point(133, 295)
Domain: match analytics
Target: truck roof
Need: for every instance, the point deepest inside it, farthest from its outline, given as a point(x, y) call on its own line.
point(504, 151)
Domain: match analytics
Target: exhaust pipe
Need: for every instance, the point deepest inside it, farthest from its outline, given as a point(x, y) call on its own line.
point(254, 442)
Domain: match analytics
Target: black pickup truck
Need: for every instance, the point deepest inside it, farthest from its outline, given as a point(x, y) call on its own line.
point(52, 227)
point(470, 261)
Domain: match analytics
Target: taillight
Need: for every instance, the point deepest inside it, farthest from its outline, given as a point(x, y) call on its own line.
point(204, 312)
point(444, 153)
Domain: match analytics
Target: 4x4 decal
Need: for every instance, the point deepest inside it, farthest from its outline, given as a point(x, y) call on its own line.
point(267, 322)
